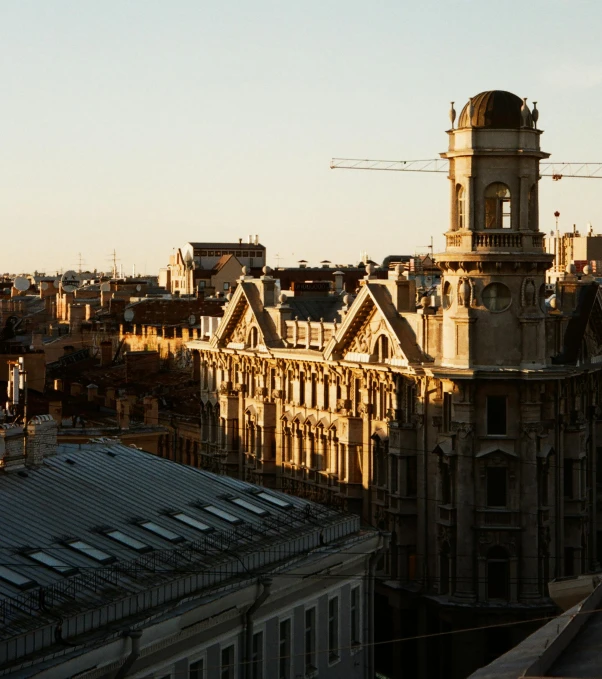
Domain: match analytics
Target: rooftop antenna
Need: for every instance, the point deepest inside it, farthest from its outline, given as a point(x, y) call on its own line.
point(80, 261)
point(114, 260)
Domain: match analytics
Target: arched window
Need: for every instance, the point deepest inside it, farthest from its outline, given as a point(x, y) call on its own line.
point(381, 348)
point(252, 342)
point(460, 207)
point(498, 574)
point(498, 213)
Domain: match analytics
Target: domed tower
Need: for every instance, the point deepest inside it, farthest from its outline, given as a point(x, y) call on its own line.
point(494, 263)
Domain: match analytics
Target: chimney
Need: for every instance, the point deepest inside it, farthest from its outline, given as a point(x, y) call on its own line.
point(123, 412)
point(256, 239)
point(339, 278)
point(55, 408)
point(106, 353)
point(12, 447)
point(92, 392)
point(151, 410)
point(110, 397)
point(41, 439)
point(250, 239)
point(267, 288)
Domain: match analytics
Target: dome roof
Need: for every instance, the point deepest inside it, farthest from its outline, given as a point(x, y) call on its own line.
point(495, 109)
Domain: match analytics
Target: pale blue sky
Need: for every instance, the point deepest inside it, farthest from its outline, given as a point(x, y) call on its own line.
point(141, 124)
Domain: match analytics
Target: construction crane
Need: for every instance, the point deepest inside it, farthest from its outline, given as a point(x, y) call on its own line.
point(555, 170)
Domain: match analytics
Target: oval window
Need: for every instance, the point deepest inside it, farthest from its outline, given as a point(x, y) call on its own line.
point(496, 297)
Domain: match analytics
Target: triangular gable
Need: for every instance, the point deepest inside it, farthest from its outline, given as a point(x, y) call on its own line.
point(371, 315)
point(244, 312)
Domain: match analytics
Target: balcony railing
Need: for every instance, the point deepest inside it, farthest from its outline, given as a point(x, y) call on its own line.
point(509, 240)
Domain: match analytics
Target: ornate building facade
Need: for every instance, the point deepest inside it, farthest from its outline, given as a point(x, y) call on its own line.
point(465, 424)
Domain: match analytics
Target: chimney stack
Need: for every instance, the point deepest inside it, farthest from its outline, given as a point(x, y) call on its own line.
point(123, 412)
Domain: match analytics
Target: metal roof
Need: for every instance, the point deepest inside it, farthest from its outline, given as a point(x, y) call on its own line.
point(86, 491)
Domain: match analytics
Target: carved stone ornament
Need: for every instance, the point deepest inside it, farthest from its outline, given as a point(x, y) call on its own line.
point(528, 292)
point(462, 429)
point(262, 391)
point(277, 393)
point(532, 429)
point(239, 334)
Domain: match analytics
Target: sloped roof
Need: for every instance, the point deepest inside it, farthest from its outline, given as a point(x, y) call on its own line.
point(86, 490)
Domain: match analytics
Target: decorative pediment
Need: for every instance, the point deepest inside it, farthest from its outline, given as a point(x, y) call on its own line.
point(374, 332)
point(245, 324)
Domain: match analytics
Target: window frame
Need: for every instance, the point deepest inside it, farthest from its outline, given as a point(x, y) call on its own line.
point(489, 403)
point(231, 671)
point(355, 644)
point(288, 655)
point(310, 659)
point(495, 212)
point(334, 650)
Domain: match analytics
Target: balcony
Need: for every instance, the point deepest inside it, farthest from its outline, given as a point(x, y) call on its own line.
point(494, 240)
point(498, 518)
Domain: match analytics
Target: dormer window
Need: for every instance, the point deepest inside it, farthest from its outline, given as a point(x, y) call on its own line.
point(381, 349)
point(253, 338)
point(498, 212)
point(460, 207)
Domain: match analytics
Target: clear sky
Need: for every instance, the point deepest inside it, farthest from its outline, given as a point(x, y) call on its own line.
point(142, 124)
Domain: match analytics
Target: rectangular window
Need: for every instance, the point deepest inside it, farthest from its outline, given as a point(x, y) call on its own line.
point(314, 390)
point(15, 578)
point(496, 416)
point(568, 478)
point(92, 552)
point(284, 650)
point(192, 522)
point(257, 656)
point(128, 540)
point(52, 562)
point(222, 514)
point(301, 388)
point(249, 506)
point(333, 629)
point(497, 481)
point(310, 640)
point(411, 476)
point(228, 668)
point(326, 392)
point(355, 614)
point(226, 286)
point(195, 670)
point(569, 561)
point(273, 500)
point(161, 532)
point(245, 253)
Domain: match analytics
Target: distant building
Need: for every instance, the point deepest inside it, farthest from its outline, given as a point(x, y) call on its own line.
point(573, 248)
point(118, 563)
point(191, 265)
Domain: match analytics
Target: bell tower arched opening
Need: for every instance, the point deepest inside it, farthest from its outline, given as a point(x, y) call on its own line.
point(498, 206)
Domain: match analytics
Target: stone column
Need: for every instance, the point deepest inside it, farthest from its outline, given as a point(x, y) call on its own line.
point(528, 571)
point(523, 215)
point(464, 589)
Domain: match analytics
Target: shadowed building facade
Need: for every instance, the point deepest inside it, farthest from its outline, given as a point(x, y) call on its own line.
point(465, 423)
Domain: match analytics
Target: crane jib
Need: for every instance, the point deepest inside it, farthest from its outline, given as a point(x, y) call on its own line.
point(555, 170)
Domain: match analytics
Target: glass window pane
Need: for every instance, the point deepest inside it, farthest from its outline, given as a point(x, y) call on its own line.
point(14, 578)
point(50, 561)
point(127, 540)
point(274, 500)
point(247, 505)
point(192, 522)
point(89, 550)
point(160, 531)
point(221, 514)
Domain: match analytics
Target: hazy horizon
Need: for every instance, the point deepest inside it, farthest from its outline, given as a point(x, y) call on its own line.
point(141, 125)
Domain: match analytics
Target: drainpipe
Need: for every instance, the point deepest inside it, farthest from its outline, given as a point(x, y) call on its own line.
point(266, 584)
point(369, 621)
point(425, 481)
point(134, 635)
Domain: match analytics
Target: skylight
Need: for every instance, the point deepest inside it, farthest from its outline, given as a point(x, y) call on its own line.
point(128, 540)
point(161, 532)
point(226, 516)
point(247, 505)
point(15, 578)
point(90, 551)
point(190, 521)
point(51, 562)
point(276, 501)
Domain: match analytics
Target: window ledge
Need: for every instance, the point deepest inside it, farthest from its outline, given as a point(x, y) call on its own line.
point(333, 659)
